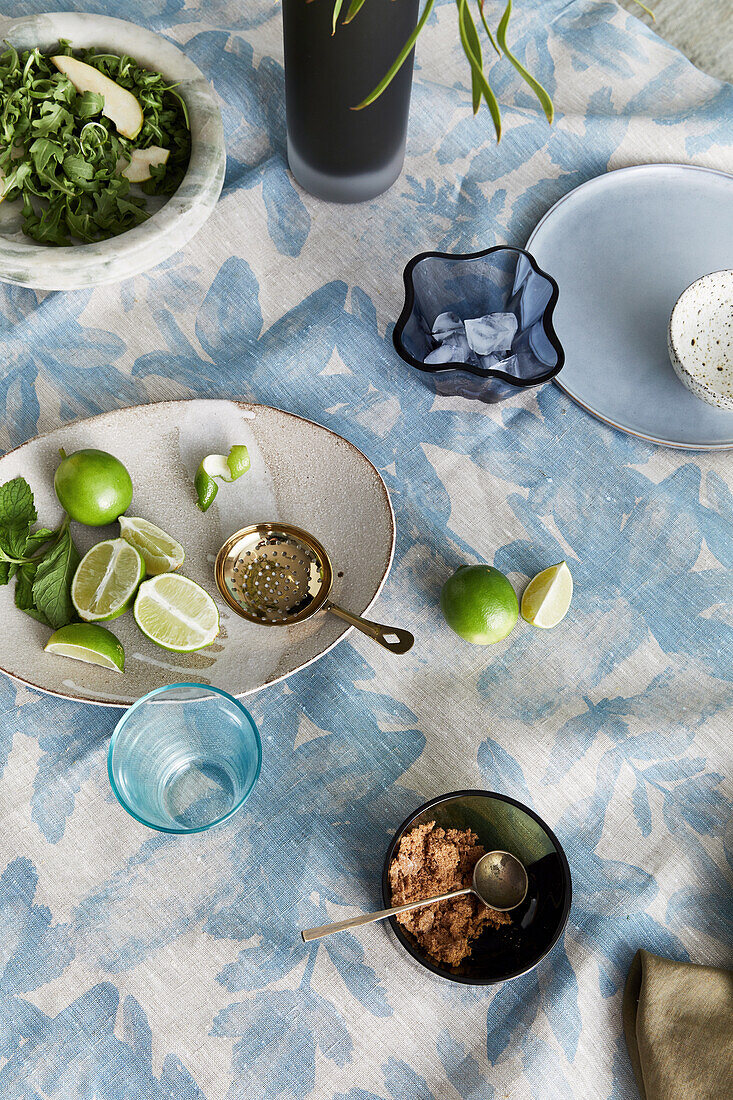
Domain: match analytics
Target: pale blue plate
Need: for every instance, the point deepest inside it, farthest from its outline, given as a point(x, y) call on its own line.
point(622, 248)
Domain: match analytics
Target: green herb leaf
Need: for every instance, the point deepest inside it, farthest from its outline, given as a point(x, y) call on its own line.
point(25, 577)
point(539, 91)
point(78, 169)
point(38, 615)
point(89, 104)
point(17, 515)
point(51, 588)
point(38, 539)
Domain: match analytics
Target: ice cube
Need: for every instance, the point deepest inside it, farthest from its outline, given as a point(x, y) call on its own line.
point(446, 323)
point(491, 334)
point(509, 365)
point(454, 349)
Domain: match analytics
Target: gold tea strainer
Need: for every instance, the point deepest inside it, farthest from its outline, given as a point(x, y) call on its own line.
point(275, 574)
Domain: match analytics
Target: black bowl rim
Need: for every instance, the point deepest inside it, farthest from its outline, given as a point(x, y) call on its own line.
point(434, 967)
point(466, 368)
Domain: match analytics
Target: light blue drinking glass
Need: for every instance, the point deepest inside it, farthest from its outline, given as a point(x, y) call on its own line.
point(184, 757)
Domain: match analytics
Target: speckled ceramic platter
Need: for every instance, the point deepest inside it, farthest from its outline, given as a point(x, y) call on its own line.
point(301, 473)
point(25, 262)
point(622, 248)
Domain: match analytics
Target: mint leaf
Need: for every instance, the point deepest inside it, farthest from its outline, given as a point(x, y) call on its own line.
point(37, 615)
point(51, 587)
point(37, 539)
point(25, 577)
point(17, 514)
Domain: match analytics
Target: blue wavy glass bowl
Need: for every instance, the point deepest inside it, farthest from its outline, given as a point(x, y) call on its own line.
point(497, 280)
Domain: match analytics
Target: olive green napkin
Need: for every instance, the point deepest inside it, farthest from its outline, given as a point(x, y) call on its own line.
point(678, 1020)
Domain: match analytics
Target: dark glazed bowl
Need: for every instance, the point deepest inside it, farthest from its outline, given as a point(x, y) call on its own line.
point(497, 280)
point(537, 924)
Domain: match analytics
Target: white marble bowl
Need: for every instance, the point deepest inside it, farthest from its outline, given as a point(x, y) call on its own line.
point(25, 262)
point(700, 338)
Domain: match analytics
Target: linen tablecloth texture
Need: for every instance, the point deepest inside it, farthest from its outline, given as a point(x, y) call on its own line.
point(138, 965)
point(678, 1020)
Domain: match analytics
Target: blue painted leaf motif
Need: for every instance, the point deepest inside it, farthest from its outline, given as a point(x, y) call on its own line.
point(288, 221)
point(462, 1069)
point(230, 319)
point(560, 1000)
point(79, 1047)
point(401, 1080)
point(347, 955)
point(511, 1014)
point(70, 742)
point(35, 949)
point(501, 770)
point(640, 803)
point(299, 1021)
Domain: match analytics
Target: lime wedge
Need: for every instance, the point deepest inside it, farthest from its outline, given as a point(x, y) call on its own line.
point(222, 467)
point(106, 580)
point(547, 597)
point(95, 645)
point(176, 613)
point(159, 551)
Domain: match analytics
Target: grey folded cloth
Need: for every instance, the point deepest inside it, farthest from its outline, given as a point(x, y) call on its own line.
point(678, 1020)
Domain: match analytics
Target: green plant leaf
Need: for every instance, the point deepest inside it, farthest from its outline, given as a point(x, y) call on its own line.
point(465, 21)
point(38, 539)
point(89, 104)
point(354, 8)
point(492, 40)
point(336, 10)
point(399, 60)
point(51, 588)
point(539, 91)
point(17, 515)
point(25, 577)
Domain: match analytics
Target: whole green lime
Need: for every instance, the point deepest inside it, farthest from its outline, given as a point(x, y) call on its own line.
point(93, 487)
point(480, 604)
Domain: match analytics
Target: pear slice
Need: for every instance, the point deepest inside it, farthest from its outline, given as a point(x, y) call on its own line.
point(137, 169)
point(120, 106)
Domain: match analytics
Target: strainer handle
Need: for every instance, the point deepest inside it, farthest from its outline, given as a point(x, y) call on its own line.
point(390, 637)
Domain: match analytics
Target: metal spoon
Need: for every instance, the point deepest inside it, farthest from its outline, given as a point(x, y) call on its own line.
point(499, 881)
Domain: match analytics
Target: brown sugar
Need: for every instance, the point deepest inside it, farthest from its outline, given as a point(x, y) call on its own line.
point(431, 860)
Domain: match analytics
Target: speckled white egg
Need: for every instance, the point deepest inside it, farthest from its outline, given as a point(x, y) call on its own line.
point(700, 338)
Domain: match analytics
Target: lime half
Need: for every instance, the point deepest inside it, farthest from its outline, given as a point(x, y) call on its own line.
point(222, 468)
point(95, 645)
point(160, 552)
point(106, 580)
point(479, 603)
point(547, 597)
point(176, 613)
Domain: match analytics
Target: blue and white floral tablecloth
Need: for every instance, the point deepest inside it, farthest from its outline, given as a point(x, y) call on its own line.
point(136, 966)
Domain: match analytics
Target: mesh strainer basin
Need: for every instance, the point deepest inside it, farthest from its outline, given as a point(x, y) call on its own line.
point(273, 576)
point(277, 575)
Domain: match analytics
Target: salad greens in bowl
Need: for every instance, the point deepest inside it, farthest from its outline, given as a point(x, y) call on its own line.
point(111, 150)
